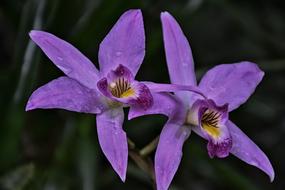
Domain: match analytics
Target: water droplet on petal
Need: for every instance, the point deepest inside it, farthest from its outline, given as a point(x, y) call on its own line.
point(185, 133)
point(115, 130)
point(60, 58)
point(118, 53)
point(64, 69)
point(101, 107)
point(184, 64)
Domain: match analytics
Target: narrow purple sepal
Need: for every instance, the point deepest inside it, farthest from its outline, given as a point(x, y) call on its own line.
point(113, 139)
point(178, 55)
point(66, 93)
point(246, 150)
point(67, 58)
point(124, 44)
point(158, 87)
point(231, 83)
point(169, 153)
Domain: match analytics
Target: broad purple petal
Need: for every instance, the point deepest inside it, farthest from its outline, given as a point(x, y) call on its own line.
point(66, 93)
point(231, 83)
point(169, 153)
point(163, 103)
point(67, 58)
point(246, 150)
point(178, 54)
point(113, 139)
point(125, 43)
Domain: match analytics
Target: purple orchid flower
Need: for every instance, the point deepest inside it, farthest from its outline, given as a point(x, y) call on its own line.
point(225, 87)
point(104, 92)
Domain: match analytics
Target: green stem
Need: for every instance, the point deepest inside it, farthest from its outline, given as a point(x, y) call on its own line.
point(149, 148)
point(142, 159)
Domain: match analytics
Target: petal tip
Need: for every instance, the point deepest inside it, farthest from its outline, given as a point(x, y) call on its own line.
point(165, 14)
point(134, 13)
point(272, 176)
point(167, 17)
point(121, 170)
point(30, 106)
point(123, 177)
point(257, 68)
point(137, 11)
point(270, 172)
point(35, 33)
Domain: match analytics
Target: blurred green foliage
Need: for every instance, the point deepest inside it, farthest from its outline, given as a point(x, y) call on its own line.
point(56, 149)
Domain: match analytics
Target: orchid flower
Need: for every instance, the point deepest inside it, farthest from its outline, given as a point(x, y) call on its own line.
point(225, 87)
point(105, 92)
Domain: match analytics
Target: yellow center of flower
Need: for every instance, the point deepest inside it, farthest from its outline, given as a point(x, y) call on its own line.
point(121, 88)
point(210, 121)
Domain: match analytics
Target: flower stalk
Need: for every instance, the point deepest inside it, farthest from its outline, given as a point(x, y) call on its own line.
point(142, 158)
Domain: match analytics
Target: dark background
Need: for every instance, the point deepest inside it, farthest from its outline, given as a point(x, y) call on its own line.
point(58, 150)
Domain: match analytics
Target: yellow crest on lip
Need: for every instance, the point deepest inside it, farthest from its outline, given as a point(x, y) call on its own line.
point(128, 93)
point(121, 88)
point(210, 121)
point(211, 130)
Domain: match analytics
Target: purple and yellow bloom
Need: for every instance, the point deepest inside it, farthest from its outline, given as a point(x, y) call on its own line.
point(105, 92)
point(225, 87)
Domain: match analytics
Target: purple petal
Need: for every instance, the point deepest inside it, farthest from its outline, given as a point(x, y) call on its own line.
point(67, 58)
point(66, 93)
point(231, 83)
point(178, 54)
point(163, 103)
point(125, 43)
point(113, 139)
point(169, 153)
point(248, 151)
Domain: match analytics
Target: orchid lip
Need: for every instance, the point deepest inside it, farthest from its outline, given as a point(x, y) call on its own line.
point(219, 138)
point(120, 86)
point(211, 118)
